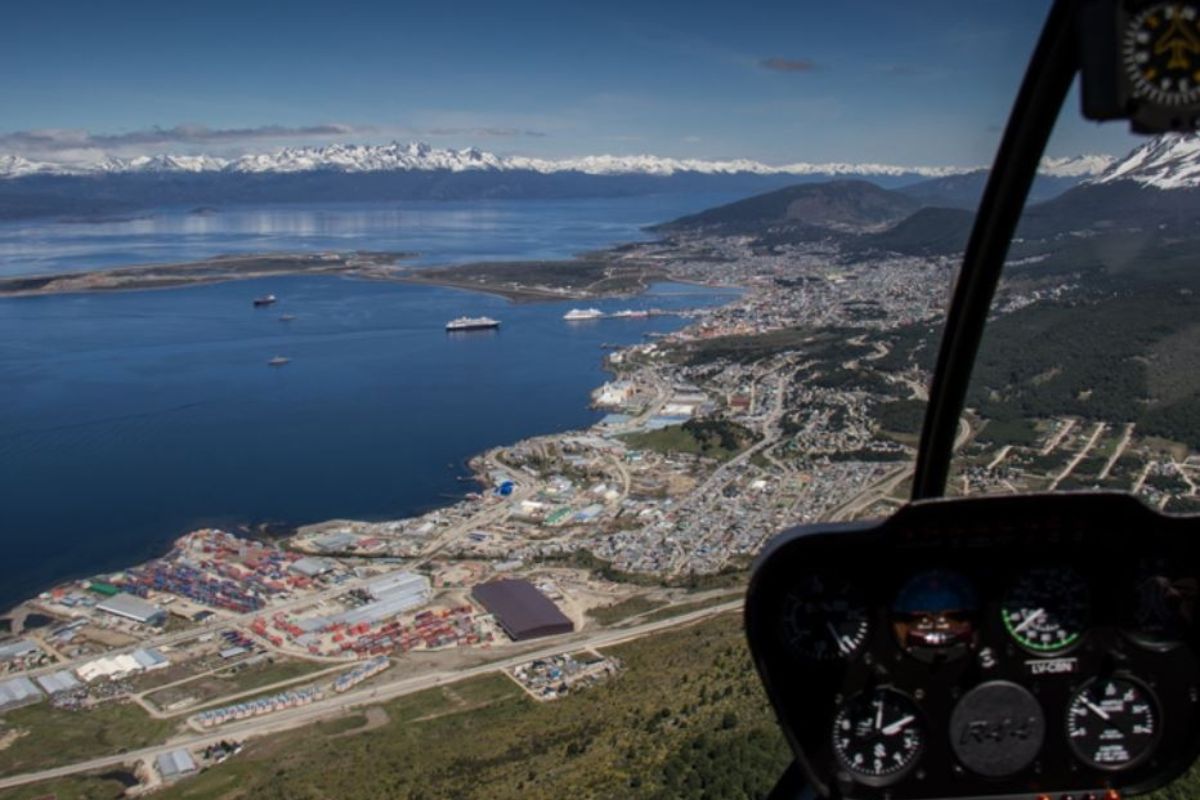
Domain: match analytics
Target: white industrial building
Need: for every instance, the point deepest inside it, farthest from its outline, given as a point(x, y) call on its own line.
point(393, 594)
point(121, 665)
point(134, 608)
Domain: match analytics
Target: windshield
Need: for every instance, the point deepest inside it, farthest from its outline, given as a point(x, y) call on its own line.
point(1085, 380)
point(394, 402)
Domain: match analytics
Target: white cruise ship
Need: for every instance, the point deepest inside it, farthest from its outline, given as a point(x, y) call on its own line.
point(472, 324)
point(583, 313)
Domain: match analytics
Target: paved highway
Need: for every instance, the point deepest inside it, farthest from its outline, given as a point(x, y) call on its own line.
point(369, 695)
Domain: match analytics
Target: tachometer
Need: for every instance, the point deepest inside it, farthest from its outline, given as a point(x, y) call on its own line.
point(825, 618)
point(1112, 723)
point(878, 735)
point(1046, 611)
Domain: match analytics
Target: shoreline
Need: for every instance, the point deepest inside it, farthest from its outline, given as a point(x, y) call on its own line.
point(474, 466)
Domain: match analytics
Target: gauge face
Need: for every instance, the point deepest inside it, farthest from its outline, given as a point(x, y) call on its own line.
point(1160, 54)
point(825, 618)
point(934, 615)
point(878, 735)
point(1112, 723)
point(1163, 605)
point(1046, 610)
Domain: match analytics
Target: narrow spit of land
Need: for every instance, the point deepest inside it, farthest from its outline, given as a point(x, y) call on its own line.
point(592, 275)
point(379, 265)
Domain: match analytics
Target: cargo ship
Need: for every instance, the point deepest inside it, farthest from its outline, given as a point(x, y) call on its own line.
point(583, 313)
point(472, 324)
point(265, 300)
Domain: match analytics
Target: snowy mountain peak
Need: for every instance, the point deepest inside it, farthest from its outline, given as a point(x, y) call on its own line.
point(1169, 161)
point(1082, 166)
point(422, 156)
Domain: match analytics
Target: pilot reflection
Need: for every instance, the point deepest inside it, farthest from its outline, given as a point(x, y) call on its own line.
point(934, 616)
point(1164, 606)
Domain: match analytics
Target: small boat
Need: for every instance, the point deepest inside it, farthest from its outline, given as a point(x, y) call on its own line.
point(287, 317)
point(265, 300)
point(278, 361)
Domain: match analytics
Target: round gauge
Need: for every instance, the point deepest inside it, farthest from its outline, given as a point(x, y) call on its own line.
point(1161, 54)
point(1163, 605)
point(878, 735)
point(1046, 610)
point(825, 618)
point(933, 616)
point(1112, 723)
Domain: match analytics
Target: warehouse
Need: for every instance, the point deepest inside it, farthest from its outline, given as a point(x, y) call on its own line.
point(175, 764)
point(61, 681)
point(134, 608)
point(523, 611)
point(18, 692)
point(17, 649)
point(393, 594)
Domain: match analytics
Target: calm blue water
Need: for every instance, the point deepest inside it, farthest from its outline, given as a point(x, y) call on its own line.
point(127, 419)
point(442, 233)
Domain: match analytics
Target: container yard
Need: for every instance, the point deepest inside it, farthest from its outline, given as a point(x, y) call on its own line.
point(429, 629)
point(220, 570)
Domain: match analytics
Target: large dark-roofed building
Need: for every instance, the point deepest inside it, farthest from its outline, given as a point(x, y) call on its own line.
point(523, 611)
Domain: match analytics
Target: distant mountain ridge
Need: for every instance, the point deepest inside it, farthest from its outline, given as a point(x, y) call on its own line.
point(417, 171)
point(421, 156)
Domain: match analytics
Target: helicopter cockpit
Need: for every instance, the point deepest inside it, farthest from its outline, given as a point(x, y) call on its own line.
point(1029, 645)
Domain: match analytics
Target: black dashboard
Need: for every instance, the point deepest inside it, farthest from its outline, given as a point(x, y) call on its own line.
point(1038, 646)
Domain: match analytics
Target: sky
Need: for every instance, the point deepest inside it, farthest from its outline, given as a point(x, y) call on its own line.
point(920, 82)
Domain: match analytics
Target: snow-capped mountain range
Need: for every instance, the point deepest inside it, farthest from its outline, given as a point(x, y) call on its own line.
point(418, 156)
point(1170, 161)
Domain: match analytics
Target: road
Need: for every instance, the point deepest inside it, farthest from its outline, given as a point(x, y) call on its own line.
point(1080, 456)
point(1118, 452)
point(370, 695)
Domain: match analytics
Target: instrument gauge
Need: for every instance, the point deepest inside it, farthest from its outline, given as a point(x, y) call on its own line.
point(825, 618)
point(1112, 723)
point(1160, 52)
point(1046, 610)
point(934, 615)
point(878, 735)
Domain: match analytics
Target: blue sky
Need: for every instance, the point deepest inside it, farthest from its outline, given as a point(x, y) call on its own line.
point(916, 82)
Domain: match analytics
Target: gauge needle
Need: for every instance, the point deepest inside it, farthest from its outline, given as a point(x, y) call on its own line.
point(837, 637)
point(1100, 712)
point(1032, 618)
point(878, 715)
point(897, 726)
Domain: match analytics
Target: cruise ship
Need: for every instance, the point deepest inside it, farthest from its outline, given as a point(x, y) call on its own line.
point(472, 324)
point(583, 313)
